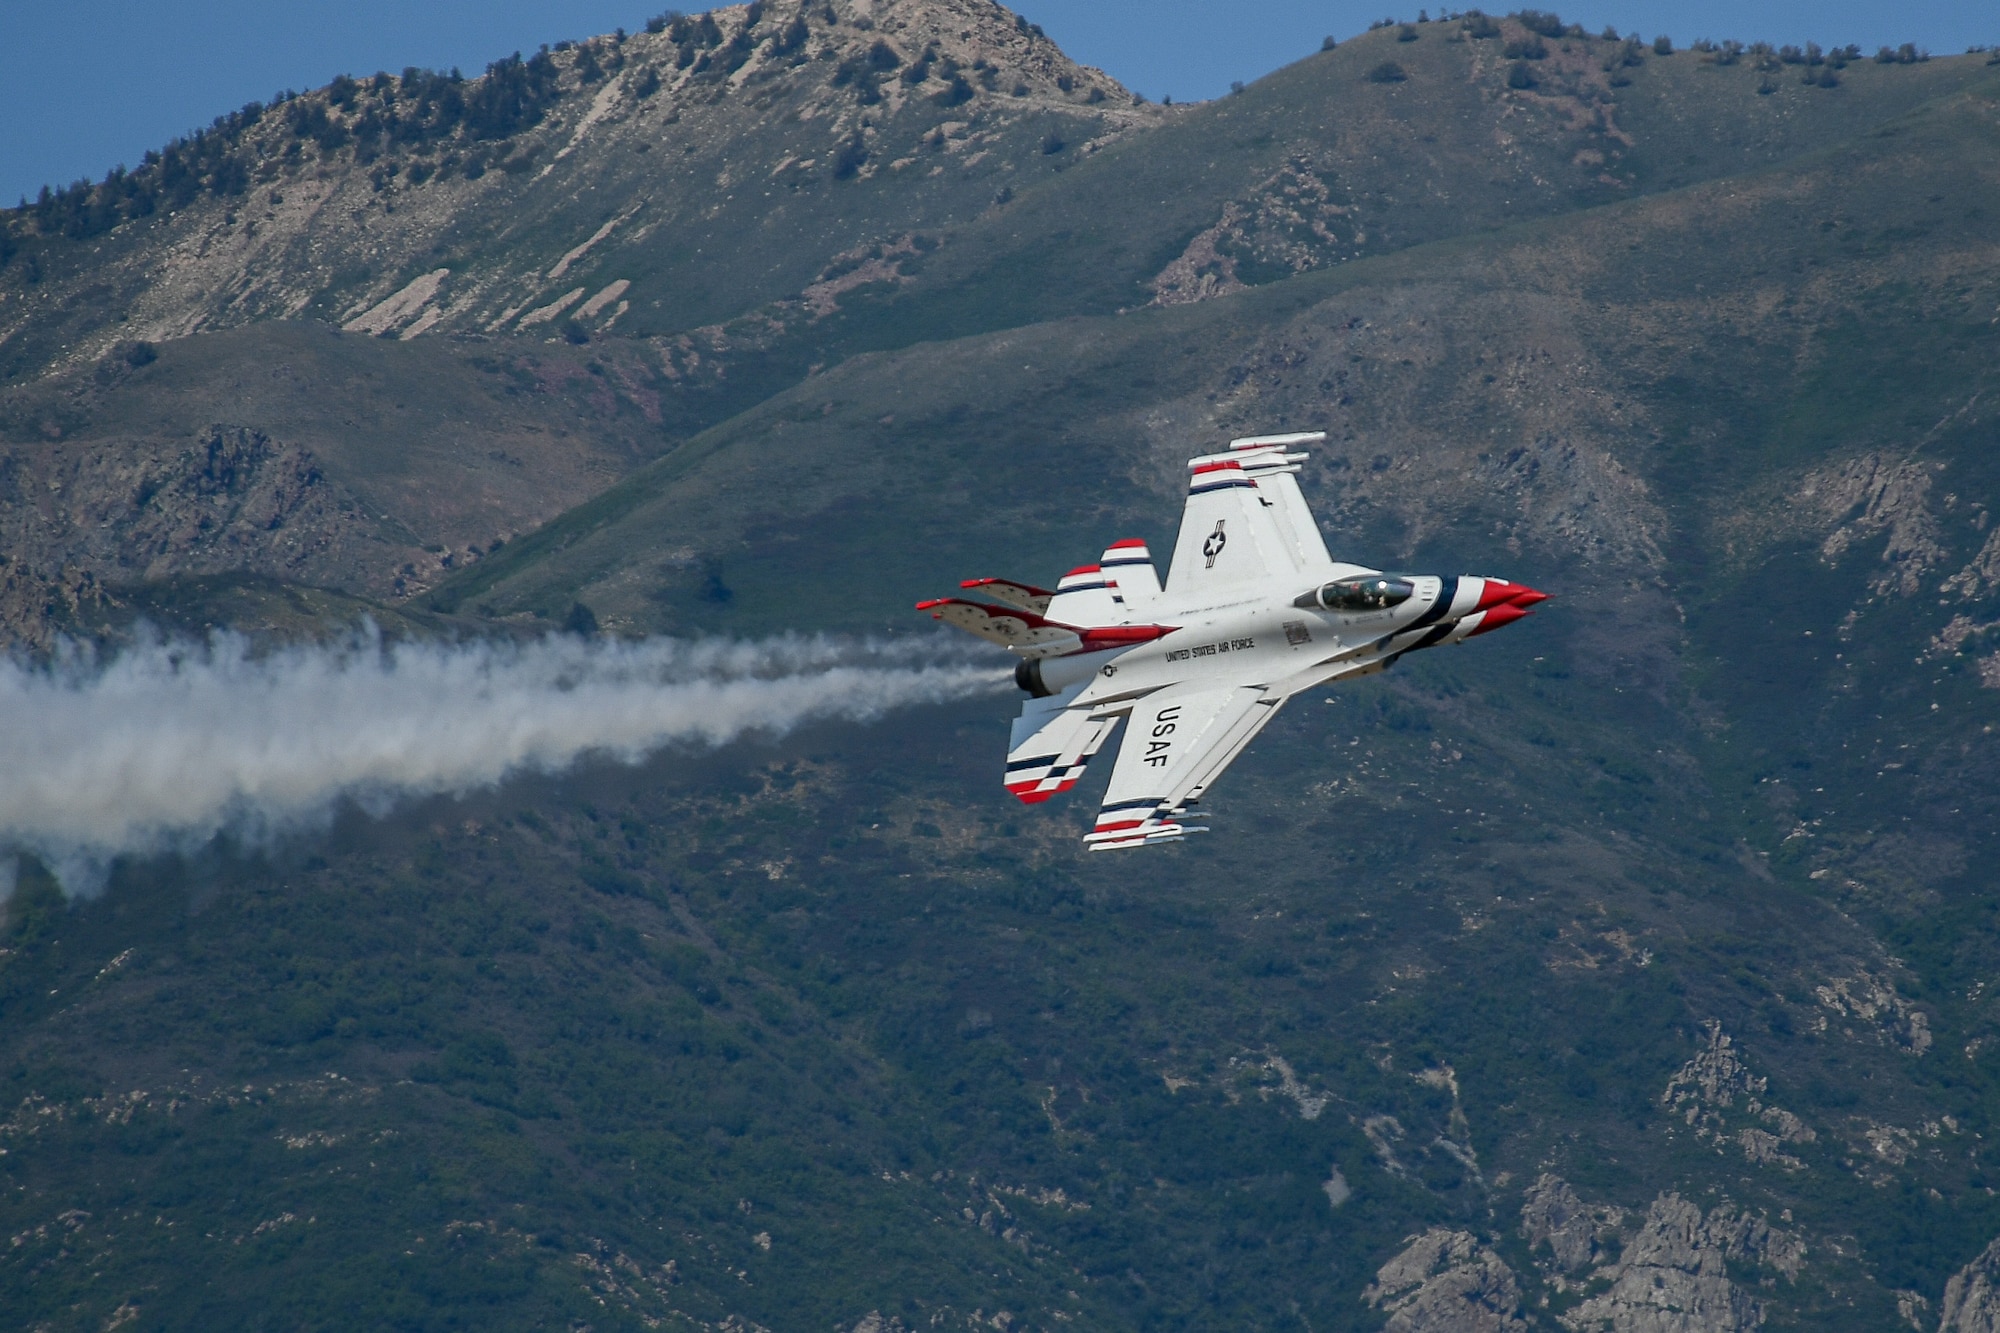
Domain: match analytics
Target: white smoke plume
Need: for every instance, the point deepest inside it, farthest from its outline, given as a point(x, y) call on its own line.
point(168, 744)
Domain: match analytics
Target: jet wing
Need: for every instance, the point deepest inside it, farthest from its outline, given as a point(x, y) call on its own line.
point(1051, 743)
point(1245, 522)
point(1177, 741)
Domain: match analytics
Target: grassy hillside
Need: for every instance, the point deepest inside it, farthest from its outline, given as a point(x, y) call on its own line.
point(1320, 164)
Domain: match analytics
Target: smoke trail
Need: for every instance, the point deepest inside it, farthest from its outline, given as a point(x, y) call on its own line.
point(166, 745)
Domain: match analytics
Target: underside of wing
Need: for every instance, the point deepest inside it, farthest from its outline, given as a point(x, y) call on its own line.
point(1176, 744)
point(1023, 631)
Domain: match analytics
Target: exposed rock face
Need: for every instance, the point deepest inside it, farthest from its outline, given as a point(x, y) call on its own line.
point(1553, 1215)
point(1674, 1278)
point(1873, 1000)
point(34, 601)
point(873, 1322)
point(1297, 220)
point(1707, 1090)
point(1894, 499)
point(1447, 1282)
point(1972, 1297)
point(74, 522)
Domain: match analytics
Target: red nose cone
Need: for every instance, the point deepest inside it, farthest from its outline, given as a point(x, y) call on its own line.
point(1504, 614)
point(1500, 592)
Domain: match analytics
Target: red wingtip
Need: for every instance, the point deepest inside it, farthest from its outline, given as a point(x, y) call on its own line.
point(928, 603)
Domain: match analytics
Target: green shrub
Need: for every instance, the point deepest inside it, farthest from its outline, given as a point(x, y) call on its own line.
point(1540, 22)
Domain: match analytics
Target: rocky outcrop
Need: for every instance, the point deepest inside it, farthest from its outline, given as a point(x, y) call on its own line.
point(77, 522)
point(1574, 1232)
point(1673, 1276)
point(1300, 219)
point(35, 603)
point(1708, 1090)
point(1972, 1297)
point(1873, 1000)
point(1893, 496)
point(1446, 1282)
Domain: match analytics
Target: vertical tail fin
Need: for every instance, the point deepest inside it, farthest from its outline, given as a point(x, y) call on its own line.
point(1128, 566)
point(1085, 597)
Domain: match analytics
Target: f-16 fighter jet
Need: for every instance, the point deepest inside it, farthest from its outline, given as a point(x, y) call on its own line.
point(1253, 612)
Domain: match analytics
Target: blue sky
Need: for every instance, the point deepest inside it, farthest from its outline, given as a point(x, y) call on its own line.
point(87, 84)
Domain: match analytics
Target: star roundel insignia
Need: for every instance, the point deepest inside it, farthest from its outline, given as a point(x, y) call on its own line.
point(1212, 545)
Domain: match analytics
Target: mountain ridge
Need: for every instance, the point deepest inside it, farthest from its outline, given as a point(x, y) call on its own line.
point(1637, 958)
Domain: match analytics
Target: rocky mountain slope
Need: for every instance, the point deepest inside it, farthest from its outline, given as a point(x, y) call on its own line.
point(718, 163)
point(1628, 970)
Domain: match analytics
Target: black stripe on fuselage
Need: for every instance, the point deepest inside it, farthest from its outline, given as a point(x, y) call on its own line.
point(1447, 593)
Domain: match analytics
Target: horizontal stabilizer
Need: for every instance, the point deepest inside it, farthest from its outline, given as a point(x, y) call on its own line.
point(1034, 636)
point(1023, 631)
point(1050, 745)
point(1025, 596)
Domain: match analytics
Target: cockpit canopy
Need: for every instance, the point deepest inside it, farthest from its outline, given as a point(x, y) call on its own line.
point(1369, 592)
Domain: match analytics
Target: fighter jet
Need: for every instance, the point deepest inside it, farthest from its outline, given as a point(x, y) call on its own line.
point(1253, 611)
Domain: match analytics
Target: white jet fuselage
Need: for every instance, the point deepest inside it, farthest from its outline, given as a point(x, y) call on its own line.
point(1263, 639)
point(1253, 612)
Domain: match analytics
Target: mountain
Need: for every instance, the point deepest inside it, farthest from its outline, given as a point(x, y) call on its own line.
point(691, 173)
point(1627, 970)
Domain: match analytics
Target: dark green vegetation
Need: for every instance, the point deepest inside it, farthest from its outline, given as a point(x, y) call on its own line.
point(798, 1032)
